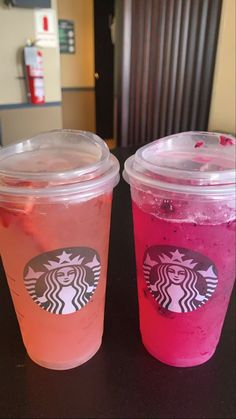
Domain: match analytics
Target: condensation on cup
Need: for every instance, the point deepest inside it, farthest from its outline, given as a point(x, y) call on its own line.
point(55, 206)
point(183, 198)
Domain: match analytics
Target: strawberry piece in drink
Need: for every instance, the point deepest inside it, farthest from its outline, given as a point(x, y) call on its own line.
point(22, 214)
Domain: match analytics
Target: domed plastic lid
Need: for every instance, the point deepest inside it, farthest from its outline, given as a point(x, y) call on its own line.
point(58, 163)
point(191, 162)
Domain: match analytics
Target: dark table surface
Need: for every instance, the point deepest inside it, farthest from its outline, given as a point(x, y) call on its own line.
point(122, 380)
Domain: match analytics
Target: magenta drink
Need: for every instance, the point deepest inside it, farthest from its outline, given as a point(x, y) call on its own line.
point(183, 195)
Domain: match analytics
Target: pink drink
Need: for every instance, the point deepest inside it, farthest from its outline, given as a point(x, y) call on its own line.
point(185, 256)
point(53, 340)
point(173, 337)
point(54, 247)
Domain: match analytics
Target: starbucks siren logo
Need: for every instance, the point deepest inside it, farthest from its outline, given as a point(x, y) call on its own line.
point(180, 280)
point(63, 281)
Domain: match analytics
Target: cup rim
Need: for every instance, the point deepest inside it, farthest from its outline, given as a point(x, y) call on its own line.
point(140, 171)
point(83, 180)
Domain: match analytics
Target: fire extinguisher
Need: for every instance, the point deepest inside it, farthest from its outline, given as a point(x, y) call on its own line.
point(33, 63)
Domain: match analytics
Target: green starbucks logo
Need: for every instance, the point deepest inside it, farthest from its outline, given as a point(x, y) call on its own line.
point(179, 279)
point(63, 281)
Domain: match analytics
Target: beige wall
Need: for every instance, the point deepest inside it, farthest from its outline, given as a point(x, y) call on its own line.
point(223, 111)
point(77, 70)
point(79, 110)
point(27, 122)
point(16, 25)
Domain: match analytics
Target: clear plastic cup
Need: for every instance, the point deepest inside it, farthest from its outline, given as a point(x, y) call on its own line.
point(55, 205)
point(183, 195)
